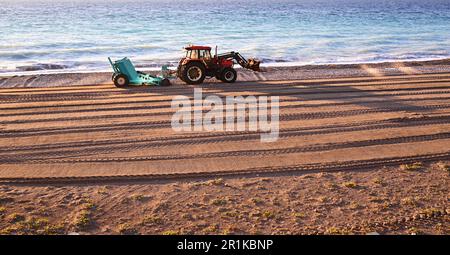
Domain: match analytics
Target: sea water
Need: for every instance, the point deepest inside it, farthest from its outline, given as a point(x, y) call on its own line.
point(79, 35)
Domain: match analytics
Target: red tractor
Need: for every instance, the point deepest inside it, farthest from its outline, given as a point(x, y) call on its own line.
point(199, 64)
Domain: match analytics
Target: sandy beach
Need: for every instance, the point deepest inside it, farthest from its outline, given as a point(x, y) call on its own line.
point(363, 148)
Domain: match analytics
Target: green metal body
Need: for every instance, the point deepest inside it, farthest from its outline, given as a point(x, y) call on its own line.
point(125, 67)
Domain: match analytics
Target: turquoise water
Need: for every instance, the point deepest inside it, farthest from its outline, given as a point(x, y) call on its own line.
point(79, 35)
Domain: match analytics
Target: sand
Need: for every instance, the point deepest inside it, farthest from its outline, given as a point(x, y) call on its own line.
point(349, 136)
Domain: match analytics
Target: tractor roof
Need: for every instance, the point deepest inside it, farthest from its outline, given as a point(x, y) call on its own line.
point(192, 47)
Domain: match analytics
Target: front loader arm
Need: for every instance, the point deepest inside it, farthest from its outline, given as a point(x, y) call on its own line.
point(251, 63)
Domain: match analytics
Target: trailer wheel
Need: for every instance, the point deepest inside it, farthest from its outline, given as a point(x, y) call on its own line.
point(193, 73)
point(228, 75)
point(121, 80)
point(165, 82)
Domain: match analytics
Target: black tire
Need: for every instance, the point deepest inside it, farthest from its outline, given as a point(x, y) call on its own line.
point(228, 75)
point(121, 81)
point(179, 73)
point(193, 73)
point(165, 82)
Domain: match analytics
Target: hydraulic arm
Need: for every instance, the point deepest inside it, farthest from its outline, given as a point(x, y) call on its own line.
point(251, 63)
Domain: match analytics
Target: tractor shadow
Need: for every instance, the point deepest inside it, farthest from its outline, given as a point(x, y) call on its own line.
point(358, 92)
point(336, 93)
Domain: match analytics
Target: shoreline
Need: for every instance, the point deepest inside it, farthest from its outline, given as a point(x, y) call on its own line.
point(282, 72)
point(60, 69)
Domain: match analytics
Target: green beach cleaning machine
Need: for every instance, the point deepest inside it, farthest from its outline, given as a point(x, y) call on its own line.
point(125, 74)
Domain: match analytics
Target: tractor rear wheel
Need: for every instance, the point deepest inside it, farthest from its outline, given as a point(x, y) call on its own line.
point(121, 80)
point(228, 75)
point(193, 73)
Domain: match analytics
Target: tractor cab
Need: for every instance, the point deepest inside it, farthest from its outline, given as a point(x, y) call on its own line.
point(198, 52)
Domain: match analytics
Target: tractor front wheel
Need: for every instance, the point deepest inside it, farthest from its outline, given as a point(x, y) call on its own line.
point(121, 80)
point(193, 73)
point(228, 75)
